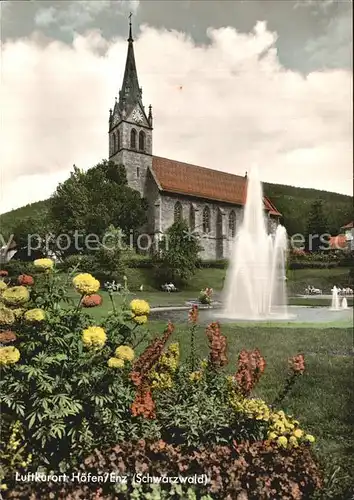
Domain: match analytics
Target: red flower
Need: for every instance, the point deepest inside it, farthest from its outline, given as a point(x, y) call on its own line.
point(143, 404)
point(149, 357)
point(7, 336)
point(3, 273)
point(92, 300)
point(251, 366)
point(217, 346)
point(25, 280)
point(193, 314)
point(297, 364)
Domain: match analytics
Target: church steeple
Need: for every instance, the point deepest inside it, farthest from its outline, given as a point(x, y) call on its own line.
point(130, 126)
point(131, 93)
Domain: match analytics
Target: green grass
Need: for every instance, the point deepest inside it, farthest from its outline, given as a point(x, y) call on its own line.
point(298, 279)
point(176, 299)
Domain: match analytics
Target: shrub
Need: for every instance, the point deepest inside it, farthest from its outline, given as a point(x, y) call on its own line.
point(50, 389)
point(214, 264)
point(258, 470)
point(18, 267)
point(83, 263)
point(178, 255)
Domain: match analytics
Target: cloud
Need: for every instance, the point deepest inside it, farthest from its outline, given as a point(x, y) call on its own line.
point(224, 105)
point(71, 16)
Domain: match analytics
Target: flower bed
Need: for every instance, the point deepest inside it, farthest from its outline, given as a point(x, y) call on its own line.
point(86, 398)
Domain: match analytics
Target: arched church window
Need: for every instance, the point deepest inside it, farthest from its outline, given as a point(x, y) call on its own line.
point(206, 220)
point(191, 218)
point(142, 141)
point(178, 211)
point(133, 138)
point(114, 143)
point(232, 223)
point(118, 140)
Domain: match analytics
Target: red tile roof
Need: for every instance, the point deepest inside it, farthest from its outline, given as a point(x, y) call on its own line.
point(183, 178)
point(348, 226)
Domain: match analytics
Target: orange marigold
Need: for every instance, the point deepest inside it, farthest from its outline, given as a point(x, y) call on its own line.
point(7, 336)
point(25, 280)
point(92, 300)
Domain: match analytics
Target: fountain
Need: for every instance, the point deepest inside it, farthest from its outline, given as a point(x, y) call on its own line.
point(335, 304)
point(344, 303)
point(255, 286)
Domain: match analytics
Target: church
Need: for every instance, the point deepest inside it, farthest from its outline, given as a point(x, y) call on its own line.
point(210, 201)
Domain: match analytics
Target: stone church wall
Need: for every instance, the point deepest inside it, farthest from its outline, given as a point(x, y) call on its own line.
point(216, 243)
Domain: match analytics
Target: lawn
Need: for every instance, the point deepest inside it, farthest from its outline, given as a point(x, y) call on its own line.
point(298, 279)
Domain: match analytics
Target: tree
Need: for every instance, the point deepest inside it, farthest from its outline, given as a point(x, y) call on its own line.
point(32, 236)
point(317, 228)
point(108, 260)
point(178, 256)
point(88, 202)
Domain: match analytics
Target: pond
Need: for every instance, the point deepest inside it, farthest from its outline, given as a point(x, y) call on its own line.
point(298, 314)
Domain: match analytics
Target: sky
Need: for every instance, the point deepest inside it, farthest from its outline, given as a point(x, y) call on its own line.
point(232, 83)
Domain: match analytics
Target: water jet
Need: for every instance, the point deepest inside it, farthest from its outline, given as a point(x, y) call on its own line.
point(255, 285)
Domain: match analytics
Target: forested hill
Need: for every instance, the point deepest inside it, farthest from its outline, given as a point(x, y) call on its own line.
point(293, 202)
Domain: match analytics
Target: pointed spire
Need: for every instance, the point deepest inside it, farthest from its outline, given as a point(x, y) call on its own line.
point(150, 115)
point(130, 94)
point(130, 39)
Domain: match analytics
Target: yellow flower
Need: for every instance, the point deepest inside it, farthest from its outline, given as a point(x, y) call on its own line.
point(3, 286)
point(44, 264)
point(18, 312)
point(195, 376)
point(279, 427)
point(161, 380)
point(34, 315)
point(293, 441)
point(115, 363)
point(16, 295)
point(204, 364)
point(9, 355)
point(174, 348)
point(140, 320)
point(309, 438)
point(86, 284)
point(272, 436)
point(298, 433)
point(125, 352)
point(282, 441)
point(140, 307)
point(94, 336)
point(7, 316)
